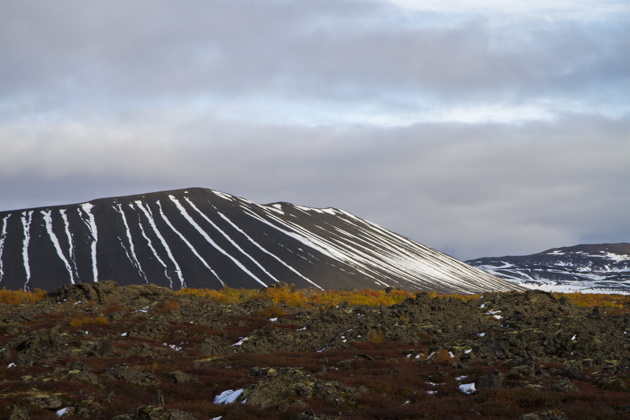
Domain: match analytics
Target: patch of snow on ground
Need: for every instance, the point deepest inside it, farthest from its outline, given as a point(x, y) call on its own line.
point(228, 397)
point(617, 257)
point(467, 388)
point(241, 342)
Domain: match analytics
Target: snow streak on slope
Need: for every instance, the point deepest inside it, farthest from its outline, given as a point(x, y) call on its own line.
point(91, 224)
point(149, 215)
point(265, 251)
point(3, 236)
point(320, 245)
point(132, 252)
point(27, 218)
point(55, 241)
point(429, 263)
point(375, 252)
point(155, 254)
point(203, 238)
point(217, 247)
point(64, 216)
point(188, 244)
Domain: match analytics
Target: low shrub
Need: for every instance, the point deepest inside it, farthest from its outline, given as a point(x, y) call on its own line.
point(16, 297)
point(114, 307)
point(82, 320)
point(168, 306)
point(272, 311)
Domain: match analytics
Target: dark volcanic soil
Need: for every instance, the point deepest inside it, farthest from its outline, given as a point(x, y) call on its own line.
point(142, 352)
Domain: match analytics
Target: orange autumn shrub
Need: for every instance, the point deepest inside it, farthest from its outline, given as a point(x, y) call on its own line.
point(594, 299)
point(83, 320)
point(16, 297)
point(272, 311)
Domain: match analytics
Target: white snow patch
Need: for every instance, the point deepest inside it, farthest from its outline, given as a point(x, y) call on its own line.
point(277, 208)
point(211, 242)
point(223, 195)
point(134, 258)
point(273, 319)
point(27, 218)
point(91, 224)
point(241, 341)
point(11, 365)
point(61, 412)
point(263, 249)
point(144, 235)
point(149, 215)
point(192, 248)
point(3, 236)
point(467, 388)
point(173, 346)
point(617, 257)
point(228, 397)
point(66, 223)
point(55, 241)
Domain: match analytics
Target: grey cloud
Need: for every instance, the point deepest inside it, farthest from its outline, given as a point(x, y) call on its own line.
point(339, 51)
point(471, 190)
point(112, 98)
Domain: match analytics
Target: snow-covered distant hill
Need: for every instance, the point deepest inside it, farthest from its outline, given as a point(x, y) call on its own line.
point(207, 239)
point(599, 268)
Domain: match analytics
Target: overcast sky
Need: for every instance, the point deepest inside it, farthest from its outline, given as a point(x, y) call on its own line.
point(479, 128)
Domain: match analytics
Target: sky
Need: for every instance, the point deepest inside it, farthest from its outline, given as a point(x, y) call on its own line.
point(479, 128)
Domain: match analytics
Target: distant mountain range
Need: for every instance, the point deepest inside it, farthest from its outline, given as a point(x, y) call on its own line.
point(603, 268)
point(202, 238)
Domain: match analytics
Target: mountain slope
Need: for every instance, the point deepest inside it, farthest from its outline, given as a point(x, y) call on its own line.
point(207, 239)
point(588, 268)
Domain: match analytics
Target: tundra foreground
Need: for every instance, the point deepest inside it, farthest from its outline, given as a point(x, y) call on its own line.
point(146, 352)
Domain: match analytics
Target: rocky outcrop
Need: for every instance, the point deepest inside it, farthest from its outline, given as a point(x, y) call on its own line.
point(285, 385)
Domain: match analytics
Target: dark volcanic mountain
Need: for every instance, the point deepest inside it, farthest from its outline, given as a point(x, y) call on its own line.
point(207, 239)
point(588, 268)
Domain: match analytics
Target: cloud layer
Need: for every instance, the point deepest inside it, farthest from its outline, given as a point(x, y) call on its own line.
point(477, 131)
